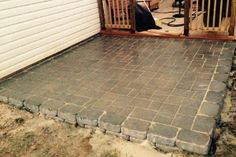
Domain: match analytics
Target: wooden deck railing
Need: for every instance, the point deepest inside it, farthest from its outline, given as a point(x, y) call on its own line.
point(210, 15)
point(117, 14)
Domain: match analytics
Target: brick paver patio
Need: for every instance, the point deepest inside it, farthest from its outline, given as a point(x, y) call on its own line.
point(166, 91)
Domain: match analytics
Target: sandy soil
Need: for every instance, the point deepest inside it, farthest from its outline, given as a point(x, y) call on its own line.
point(225, 138)
point(23, 134)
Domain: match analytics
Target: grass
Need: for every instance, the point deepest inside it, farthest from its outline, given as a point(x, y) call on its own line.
point(110, 153)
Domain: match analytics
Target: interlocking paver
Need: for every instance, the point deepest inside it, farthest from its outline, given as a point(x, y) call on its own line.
point(50, 107)
point(183, 121)
point(162, 134)
point(135, 128)
point(193, 141)
point(89, 117)
point(131, 87)
point(33, 103)
point(111, 121)
point(210, 109)
point(68, 112)
point(143, 114)
point(204, 124)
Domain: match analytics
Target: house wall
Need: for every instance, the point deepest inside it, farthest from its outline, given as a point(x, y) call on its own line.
point(31, 30)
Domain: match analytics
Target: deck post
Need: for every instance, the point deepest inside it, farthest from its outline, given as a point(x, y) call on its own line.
point(186, 17)
point(232, 18)
point(132, 15)
point(101, 14)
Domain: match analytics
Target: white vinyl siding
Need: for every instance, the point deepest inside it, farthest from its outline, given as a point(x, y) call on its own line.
point(31, 30)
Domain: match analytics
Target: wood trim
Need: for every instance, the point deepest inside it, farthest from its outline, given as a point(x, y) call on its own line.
point(132, 15)
point(101, 14)
point(138, 34)
point(232, 18)
point(186, 17)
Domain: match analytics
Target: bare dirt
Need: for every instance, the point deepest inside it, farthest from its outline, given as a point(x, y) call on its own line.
point(225, 140)
point(23, 134)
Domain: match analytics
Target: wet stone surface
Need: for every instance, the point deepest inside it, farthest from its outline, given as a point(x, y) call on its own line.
point(166, 91)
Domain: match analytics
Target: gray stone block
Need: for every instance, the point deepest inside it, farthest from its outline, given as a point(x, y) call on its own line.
point(183, 121)
point(225, 62)
point(193, 141)
point(32, 103)
point(4, 96)
point(189, 111)
point(204, 124)
point(217, 86)
point(216, 97)
point(89, 117)
point(210, 109)
point(112, 121)
point(221, 77)
point(17, 98)
point(135, 128)
point(68, 112)
point(223, 69)
point(50, 107)
point(143, 114)
point(162, 134)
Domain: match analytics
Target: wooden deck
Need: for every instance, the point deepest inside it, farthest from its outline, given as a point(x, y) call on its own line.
point(166, 10)
point(196, 25)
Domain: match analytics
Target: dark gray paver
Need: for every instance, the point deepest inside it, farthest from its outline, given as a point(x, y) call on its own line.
point(204, 124)
point(162, 134)
point(129, 86)
point(50, 107)
point(4, 96)
point(193, 141)
point(183, 121)
point(112, 121)
point(89, 117)
point(68, 112)
point(33, 103)
point(217, 86)
point(143, 114)
point(215, 97)
point(135, 128)
point(210, 109)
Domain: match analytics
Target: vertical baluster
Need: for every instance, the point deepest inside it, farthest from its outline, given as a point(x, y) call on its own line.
point(208, 13)
point(127, 11)
point(110, 14)
point(114, 11)
point(227, 12)
point(191, 14)
point(197, 3)
point(123, 13)
point(227, 9)
point(214, 14)
point(203, 11)
point(118, 11)
point(220, 20)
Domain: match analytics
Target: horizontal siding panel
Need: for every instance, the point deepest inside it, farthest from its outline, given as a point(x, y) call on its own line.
point(33, 30)
point(44, 48)
point(41, 39)
point(10, 42)
point(42, 13)
point(40, 21)
point(33, 8)
point(50, 52)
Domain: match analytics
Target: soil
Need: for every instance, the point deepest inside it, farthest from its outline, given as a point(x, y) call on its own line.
point(23, 134)
point(225, 137)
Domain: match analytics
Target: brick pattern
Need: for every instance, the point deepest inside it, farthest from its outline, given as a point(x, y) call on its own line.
point(167, 91)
